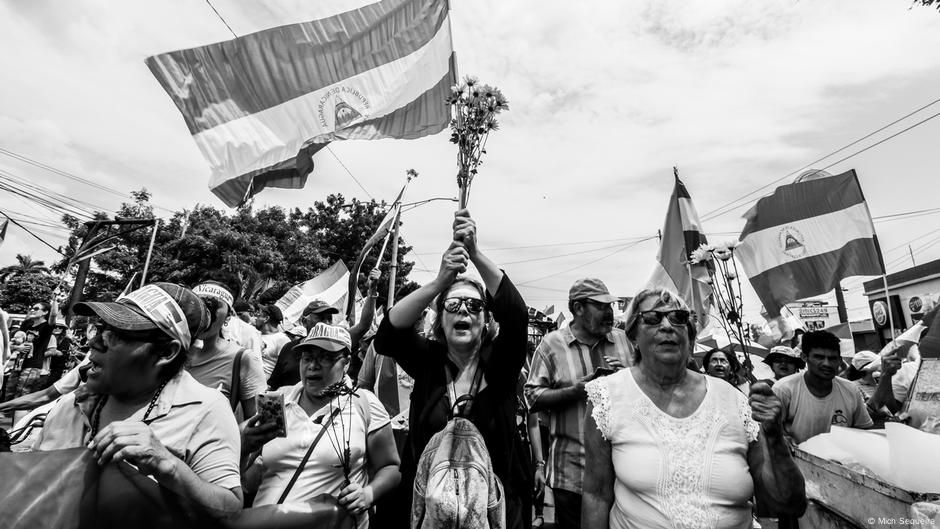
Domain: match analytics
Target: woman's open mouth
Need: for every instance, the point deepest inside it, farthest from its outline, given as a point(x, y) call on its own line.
point(462, 326)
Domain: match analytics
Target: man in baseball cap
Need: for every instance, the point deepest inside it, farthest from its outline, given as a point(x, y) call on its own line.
point(318, 311)
point(140, 406)
point(564, 362)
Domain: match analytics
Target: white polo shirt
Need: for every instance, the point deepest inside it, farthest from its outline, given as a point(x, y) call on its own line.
point(323, 472)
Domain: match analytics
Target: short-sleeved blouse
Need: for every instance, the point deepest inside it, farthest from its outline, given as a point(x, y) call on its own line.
point(688, 473)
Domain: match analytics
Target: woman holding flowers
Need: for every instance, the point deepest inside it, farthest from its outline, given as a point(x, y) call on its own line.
point(463, 360)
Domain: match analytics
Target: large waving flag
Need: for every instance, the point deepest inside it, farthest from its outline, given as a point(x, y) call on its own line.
point(261, 105)
point(806, 237)
point(682, 234)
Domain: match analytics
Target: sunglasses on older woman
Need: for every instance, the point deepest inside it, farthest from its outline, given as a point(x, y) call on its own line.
point(474, 305)
point(655, 317)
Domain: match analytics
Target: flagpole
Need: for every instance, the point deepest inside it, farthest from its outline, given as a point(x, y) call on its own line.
point(153, 238)
point(881, 257)
point(884, 279)
point(393, 263)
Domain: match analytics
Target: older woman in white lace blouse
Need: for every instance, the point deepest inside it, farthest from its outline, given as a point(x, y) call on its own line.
point(667, 447)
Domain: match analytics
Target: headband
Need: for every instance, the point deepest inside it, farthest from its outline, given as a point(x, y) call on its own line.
point(163, 311)
point(215, 291)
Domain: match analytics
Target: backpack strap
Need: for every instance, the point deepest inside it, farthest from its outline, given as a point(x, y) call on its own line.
point(234, 388)
point(303, 462)
point(469, 397)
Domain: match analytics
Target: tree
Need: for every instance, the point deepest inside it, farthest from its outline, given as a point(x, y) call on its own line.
point(24, 265)
point(935, 3)
point(22, 290)
point(270, 249)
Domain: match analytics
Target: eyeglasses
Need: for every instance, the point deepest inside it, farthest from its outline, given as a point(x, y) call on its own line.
point(37, 307)
point(473, 305)
point(110, 334)
point(655, 317)
point(320, 359)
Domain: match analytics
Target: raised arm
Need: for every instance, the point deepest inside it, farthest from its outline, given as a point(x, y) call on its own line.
point(368, 309)
point(465, 232)
point(407, 311)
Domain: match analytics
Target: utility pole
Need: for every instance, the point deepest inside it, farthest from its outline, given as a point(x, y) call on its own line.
point(92, 245)
point(393, 263)
point(840, 304)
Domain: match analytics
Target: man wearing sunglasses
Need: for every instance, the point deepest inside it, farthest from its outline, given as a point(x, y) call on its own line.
point(39, 336)
point(564, 362)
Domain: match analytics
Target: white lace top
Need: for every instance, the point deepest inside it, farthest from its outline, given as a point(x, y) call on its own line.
point(670, 473)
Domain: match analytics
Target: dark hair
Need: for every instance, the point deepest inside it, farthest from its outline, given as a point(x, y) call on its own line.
point(820, 340)
point(241, 306)
point(227, 279)
point(46, 306)
point(633, 315)
point(734, 364)
point(437, 328)
point(274, 314)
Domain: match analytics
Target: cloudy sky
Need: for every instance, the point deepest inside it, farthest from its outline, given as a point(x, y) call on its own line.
point(606, 97)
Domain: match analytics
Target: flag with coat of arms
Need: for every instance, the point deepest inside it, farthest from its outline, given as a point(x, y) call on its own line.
point(261, 105)
point(803, 239)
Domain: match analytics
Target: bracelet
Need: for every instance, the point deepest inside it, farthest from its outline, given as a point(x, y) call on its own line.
point(540, 464)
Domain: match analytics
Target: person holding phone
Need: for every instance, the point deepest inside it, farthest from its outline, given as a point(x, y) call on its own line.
point(356, 435)
point(567, 359)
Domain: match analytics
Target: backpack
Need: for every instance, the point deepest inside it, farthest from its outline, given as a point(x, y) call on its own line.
point(455, 486)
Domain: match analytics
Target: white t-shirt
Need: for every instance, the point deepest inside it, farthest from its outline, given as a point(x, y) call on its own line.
point(271, 345)
point(806, 415)
point(244, 334)
point(323, 473)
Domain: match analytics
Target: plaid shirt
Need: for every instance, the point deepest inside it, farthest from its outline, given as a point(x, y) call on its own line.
point(559, 362)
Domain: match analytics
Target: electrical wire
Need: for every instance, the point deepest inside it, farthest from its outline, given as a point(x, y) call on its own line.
point(626, 247)
point(40, 165)
point(729, 207)
point(214, 10)
point(27, 230)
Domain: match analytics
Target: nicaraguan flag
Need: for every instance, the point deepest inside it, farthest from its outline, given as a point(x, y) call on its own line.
point(681, 235)
point(806, 237)
point(261, 105)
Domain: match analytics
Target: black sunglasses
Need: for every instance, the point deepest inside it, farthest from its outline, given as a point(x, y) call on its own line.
point(675, 317)
point(473, 305)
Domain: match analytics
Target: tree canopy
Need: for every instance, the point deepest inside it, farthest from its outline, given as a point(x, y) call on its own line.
point(269, 249)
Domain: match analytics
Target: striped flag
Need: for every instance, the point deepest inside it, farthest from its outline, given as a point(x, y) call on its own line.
point(806, 237)
point(682, 234)
point(261, 105)
point(329, 286)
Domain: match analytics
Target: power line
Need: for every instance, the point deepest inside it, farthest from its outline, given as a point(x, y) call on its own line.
point(628, 246)
point(222, 19)
point(27, 230)
point(364, 190)
point(729, 207)
point(560, 255)
point(40, 165)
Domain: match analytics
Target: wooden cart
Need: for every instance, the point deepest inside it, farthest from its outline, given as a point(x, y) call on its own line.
point(841, 498)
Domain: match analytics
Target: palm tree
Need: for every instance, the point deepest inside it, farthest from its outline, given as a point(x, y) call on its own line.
point(24, 265)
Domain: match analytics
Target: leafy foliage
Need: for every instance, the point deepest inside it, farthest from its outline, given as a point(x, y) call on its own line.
point(269, 249)
point(24, 265)
point(22, 290)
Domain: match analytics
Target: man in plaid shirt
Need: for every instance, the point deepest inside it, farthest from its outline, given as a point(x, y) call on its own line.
point(564, 362)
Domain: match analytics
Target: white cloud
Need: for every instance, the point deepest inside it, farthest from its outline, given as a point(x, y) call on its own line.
point(606, 97)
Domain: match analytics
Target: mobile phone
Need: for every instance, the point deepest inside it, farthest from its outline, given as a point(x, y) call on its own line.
point(603, 372)
point(271, 408)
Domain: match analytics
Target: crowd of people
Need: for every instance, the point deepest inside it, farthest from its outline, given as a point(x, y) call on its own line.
point(227, 406)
